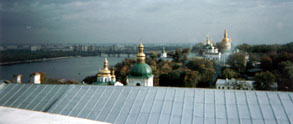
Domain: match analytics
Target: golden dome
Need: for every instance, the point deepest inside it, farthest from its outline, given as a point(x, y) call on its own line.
point(105, 72)
point(226, 39)
point(140, 56)
point(140, 45)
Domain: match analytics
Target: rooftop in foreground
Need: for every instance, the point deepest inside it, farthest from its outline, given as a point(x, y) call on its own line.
point(152, 104)
point(16, 116)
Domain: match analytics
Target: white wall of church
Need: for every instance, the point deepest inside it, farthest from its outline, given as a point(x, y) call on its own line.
point(104, 79)
point(37, 79)
point(141, 82)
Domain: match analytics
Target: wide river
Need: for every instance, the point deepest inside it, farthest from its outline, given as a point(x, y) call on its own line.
point(76, 68)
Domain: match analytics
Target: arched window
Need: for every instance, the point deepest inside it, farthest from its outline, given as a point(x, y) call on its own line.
point(137, 84)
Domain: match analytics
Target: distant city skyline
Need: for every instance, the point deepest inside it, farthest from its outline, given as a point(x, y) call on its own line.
point(175, 21)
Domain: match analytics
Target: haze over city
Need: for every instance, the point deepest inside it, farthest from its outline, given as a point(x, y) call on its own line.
point(175, 21)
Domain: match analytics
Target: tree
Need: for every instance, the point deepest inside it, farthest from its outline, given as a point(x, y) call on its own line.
point(206, 77)
point(252, 60)
point(229, 73)
point(90, 79)
point(153, 55)
point(177, 55)
point(199, 64)
point(237, 62)
point(185, 50)
point(191, 78)
point(123, 69)
point(285, 76)
point(287, 48)
point(244, 47)
point(266, 63)
point(206, 71)
point(175, 78)
point(264, 80)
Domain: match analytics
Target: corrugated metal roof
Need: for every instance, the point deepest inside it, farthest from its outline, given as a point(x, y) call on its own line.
point(152, 104)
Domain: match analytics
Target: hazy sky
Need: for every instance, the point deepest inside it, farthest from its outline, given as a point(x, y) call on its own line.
point(155, 21)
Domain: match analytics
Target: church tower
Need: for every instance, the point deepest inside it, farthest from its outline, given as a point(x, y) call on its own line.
point(140, 73)
point(104, 77)
point(164, 53)
point(226, 42)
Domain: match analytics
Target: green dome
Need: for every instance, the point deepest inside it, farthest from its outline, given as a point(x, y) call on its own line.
point(140, 70)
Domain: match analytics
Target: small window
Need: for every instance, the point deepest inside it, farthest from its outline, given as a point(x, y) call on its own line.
point(137, 84)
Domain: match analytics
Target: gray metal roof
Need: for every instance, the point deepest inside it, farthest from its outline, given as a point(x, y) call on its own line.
point(152, 104)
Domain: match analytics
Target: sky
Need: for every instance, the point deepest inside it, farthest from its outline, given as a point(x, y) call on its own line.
point(153, 21)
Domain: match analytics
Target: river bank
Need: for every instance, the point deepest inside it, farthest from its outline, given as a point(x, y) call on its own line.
point(35, 60)
point(67, 68)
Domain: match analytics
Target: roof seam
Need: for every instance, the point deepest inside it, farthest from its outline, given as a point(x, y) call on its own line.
point(35, 97)
point(183, 106)
point(162, 106)
point(152, 105)
point(71, 100)
point(204, 106)
point(76, 104)
point(259, 107)
point(215, 110)
point(19, 89)
point(272, 107)
point(87, 116)
point(290, 98)
point(87, 101)
point(110, 96)
point(132, 105)
point(10, 90)
point(172, 106)
point(29, 96)
point(27, 89)
point(237, 107)
point(113, 104)
point(193, 108)
point(142, 105)
point(43, 98)
point(226, 107)
point(123, 104)
point(53, 103)
point(248, 106)
point(283, 107)
point(61, 100)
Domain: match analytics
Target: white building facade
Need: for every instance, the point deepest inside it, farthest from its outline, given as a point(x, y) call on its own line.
point(234, 84)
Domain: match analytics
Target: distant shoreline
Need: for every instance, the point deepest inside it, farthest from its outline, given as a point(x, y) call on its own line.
point(35, 60)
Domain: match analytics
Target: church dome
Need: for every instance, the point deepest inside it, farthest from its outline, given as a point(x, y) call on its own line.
point(141, 70)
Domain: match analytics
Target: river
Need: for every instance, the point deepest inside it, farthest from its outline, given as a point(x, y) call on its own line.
point(76, 68)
